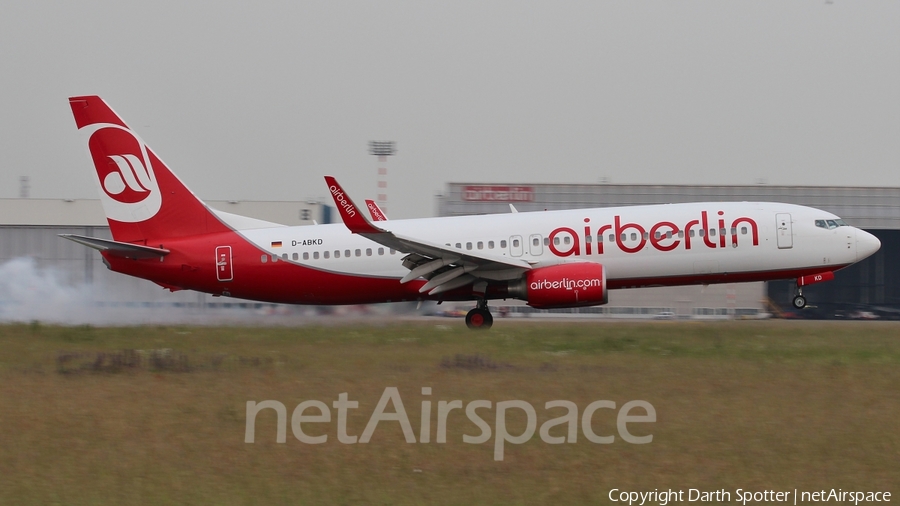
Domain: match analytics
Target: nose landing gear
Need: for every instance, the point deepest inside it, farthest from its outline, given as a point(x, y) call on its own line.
point(479, 317)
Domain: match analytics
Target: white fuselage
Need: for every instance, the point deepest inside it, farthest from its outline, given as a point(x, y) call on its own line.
point(787, 239)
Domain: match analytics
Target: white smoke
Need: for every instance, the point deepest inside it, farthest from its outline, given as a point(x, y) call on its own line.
point(28, 293)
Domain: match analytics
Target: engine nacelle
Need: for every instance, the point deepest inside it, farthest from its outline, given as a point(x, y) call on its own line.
point(564, 285)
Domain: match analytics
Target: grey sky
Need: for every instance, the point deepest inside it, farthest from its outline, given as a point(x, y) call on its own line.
point(258, 101)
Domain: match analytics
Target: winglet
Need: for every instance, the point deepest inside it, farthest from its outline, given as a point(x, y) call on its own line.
point(375, 211)
point(350, 213)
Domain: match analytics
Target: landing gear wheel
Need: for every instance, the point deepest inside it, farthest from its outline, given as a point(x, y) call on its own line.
point(479, 319)
point(799, 302)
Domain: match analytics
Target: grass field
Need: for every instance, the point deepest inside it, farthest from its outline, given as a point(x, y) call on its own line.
point(156, 415)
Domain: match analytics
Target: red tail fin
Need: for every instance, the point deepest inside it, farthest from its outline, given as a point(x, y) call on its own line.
point(143, 200)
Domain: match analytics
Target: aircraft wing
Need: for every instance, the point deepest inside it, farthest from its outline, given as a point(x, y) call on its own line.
point(445, 268)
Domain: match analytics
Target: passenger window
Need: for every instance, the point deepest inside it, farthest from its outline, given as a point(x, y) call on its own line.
point(612, 238)
point(393, 251)
point(468, 245)
point(459, 245)
point(588, 239)
point(515, 243)
point(623, 237)
point(702, 232)
point(381, 251)
point(733, 230)
point(743, 230)
point(633, 236)
point(503, 244)
point(567, 240)
point(490, 244)
point(274, 258)
point(546, 241)
point(368, 252)
point(347, 253)
point(657, 235)
point(536, 241)
point(337, 253)
point(721, 231)
point(480, 245)
point(712, 232)
point(599, 237)
point(264, 258)
point(556, 241)
point(296, 256)
point(284, 256)
point(325, 255)
point(646, 236)
point(358, 253)
point(306, 255)
point(315, 255)
point(681, 234)
point(669, 234)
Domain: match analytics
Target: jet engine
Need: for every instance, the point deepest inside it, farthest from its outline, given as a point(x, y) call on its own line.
point(564, 285)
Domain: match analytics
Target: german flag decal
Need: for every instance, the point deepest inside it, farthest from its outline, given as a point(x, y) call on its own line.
point(276, 244)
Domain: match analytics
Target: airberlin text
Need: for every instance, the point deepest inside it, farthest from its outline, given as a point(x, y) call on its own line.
point(564, 428)
point(568, 284)
point(342, 201)
point(663, 236)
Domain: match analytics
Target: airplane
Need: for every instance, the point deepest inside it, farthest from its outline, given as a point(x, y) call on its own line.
point(550, 259)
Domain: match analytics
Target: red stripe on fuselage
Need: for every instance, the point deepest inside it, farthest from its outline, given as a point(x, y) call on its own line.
point(192, 265)
point(718, 278)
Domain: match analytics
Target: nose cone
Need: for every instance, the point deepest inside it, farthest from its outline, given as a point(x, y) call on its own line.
point(866, 244)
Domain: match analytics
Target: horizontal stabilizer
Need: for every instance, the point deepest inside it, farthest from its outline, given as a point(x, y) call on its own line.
point(119, 249)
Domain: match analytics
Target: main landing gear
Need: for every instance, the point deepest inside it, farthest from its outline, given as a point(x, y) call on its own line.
point(479, 317)
point(799, 301)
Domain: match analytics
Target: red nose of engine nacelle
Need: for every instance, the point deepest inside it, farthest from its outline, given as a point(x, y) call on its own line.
point(564, 285)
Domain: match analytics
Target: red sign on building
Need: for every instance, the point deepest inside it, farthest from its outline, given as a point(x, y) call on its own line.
point(479, 193)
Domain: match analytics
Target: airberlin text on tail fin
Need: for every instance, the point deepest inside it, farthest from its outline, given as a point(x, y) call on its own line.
point(143, 200)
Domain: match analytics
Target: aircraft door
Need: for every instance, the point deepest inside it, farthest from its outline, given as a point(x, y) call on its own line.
point(785, 232)
point(516, 248)
point(223, 263)
point(535, 245)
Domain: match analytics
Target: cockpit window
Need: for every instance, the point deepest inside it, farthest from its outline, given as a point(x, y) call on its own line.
point(830, 224)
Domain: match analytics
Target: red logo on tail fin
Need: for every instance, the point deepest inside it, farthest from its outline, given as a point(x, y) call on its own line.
point(125, 172)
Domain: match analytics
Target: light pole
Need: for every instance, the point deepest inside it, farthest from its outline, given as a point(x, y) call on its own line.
point(382, 149)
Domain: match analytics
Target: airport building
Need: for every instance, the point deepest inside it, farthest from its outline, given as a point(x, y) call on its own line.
point(869, 287)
